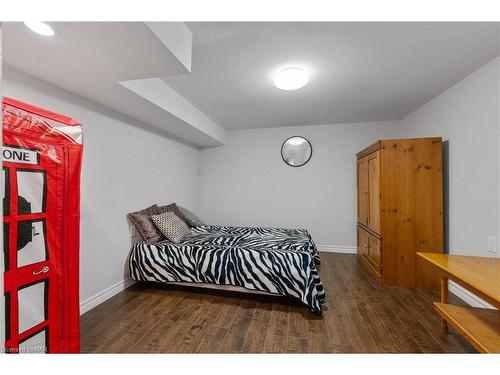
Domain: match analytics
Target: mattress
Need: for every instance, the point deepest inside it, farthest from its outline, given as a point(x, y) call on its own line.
point(270, 260)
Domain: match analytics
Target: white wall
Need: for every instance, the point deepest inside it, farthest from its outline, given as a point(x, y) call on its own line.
point(246, 182)
point(125, 168)
point(467, 116)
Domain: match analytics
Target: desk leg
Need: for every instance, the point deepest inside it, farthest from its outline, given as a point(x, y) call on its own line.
point(444, 299)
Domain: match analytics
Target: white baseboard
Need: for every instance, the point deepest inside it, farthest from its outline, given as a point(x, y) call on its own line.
point(466, 296)
point(103, 295)
point(337, 249)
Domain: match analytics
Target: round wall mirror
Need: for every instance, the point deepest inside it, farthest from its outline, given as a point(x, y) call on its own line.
point(296, 151)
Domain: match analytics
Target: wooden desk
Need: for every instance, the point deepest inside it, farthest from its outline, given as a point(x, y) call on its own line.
point(481, 327)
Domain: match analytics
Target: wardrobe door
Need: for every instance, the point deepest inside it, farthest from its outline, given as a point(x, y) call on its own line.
point(373, 214)
point(375, 253)
point(362, 242)
point(363, 192)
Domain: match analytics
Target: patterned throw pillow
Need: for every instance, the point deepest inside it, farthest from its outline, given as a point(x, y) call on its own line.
point(173, 208)
point(142, 221)
point(193, 220)
point(171, 226)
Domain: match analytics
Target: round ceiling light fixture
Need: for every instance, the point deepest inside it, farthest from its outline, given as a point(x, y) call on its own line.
point(291, 79)
point(296, 141)
point(40, 28)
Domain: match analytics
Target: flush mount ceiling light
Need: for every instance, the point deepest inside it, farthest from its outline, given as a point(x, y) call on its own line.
point(296, 141)
point(40, 28)
point(291, 79)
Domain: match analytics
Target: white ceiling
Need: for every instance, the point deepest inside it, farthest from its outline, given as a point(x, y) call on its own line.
point(92, 58)
point(359, 71)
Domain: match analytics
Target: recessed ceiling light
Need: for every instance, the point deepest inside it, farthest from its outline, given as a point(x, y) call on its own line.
point(291, 79)
point(40, 28)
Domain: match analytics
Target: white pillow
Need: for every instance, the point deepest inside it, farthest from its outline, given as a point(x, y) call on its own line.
point(192, 219)
point(171, 226)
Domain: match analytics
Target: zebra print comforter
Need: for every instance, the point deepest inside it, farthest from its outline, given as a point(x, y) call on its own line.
point(277, 261)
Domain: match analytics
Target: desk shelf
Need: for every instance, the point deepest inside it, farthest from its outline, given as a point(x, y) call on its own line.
point(481, 327)
point(481, 276)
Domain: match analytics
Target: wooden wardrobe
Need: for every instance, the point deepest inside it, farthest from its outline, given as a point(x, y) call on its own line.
point(400, 209)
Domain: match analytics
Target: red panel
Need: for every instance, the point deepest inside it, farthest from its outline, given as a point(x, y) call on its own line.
point(42, 113)
point(40, 141)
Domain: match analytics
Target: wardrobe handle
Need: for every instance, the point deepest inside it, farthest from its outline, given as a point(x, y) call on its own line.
point(45, 269)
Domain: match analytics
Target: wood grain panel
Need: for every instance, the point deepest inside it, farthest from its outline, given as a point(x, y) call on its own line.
point(212, 340)
point(297, 344)
point(481, 327)
point(397, 207)
point(429, 220)
point(363, 192)
point(481, 275)
point(235, 338)
point(369, 150)
point(362, 242)
point(277, 331)
point(373, 214)
point(375, 253)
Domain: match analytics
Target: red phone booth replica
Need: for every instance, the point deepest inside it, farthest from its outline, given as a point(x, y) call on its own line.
point(42, 154)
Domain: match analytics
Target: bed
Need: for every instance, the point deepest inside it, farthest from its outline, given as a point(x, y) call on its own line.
point(268, 260)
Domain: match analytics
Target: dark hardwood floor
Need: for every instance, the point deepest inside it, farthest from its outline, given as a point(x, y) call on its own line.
point(360, 316)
